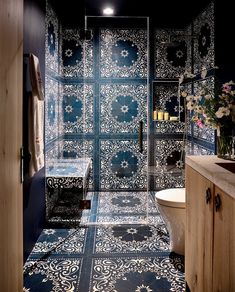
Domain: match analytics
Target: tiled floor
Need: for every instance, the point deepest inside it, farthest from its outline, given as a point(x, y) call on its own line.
point(110, 257)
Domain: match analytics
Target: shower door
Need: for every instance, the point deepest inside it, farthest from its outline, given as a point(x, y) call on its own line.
point(115, 120)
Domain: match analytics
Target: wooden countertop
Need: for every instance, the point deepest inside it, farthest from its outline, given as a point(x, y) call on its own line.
point(206, 166)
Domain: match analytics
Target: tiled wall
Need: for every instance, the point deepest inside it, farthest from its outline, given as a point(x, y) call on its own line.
point(97, 92)
point(204, 45)
point(52, 82)
point(204, 58)
point(172, 53)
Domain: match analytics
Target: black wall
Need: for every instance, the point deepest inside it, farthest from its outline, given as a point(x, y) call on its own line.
point(224, 40)
point(33, 188)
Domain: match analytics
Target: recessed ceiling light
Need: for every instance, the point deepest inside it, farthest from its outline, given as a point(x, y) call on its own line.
point(108, 11)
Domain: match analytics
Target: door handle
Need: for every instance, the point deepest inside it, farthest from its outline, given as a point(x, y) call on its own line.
point(217, 203)
point(141, 136)
point(208, 195)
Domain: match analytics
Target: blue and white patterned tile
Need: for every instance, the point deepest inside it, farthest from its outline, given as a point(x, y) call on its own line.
point(131, 238)
point(52, 151)
point(52, 109)
point(122, 166)
point(72, 241)
point(78, 109)
point(125, 203)
point(167, 99)
point(168, 180)
point(196, 149)
point(187, 89)
point(172, 127)
point(206, 133)
point(121, 107)
point(79, 148)
point(58, 274)
point(123, 53)
point(77, 55)
point(169, 155)
point(138, 274)
point(144, 218)
point(204, 47)
point(52, 39)
point(171, 61)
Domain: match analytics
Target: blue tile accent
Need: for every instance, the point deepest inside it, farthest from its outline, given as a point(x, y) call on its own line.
point(132, 257)
point(76, 59)
point(96, 105)
point(52, 109)
point(123, 53)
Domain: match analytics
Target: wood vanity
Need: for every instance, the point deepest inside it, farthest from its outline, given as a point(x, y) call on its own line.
point(210, 225)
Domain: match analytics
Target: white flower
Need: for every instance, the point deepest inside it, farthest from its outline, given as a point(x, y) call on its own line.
point(188, 75)
point(197, 97)
point(222, 111)
point(203, 72)
point(199, 109)
point(208, 96)
point(184, 94)
point(190, 98)
point(190, 106)
point(181, 79)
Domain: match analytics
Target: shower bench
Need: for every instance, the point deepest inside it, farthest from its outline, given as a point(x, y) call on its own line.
point(67, 183)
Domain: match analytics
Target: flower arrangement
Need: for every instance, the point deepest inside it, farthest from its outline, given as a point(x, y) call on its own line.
point(216, 110)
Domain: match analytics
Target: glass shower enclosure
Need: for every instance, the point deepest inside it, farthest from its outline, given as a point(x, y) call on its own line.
point(116, 119)
point(97, 121)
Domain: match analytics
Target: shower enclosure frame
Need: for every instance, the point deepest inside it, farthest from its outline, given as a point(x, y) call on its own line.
point(89, 217)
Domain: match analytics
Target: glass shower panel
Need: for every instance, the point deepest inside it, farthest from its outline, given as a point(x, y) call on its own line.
point(115, 120)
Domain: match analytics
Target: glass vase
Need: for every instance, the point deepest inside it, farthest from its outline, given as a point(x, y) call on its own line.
point(224, 145)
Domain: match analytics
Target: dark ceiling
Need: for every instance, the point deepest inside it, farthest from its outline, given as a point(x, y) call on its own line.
point(164, 13)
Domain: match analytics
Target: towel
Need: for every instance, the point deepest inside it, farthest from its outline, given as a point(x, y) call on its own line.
point(35, 76)
point(36, 117)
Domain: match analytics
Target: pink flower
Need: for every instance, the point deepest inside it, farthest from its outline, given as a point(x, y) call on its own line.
point(226, 87)
point(200, 124)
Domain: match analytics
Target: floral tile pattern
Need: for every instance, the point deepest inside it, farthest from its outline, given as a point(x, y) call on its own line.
point(134, 238)
point(122, 165)
point(77, 56)
point(101, 100)
point(172, 51)
point(204, 53)
point(137, 274)
point(124, 203)
point(77, 108)
point(52, 109)
point(123, 53)
point(52, 39)
point(58, 274)
point(57, 240)
point(206, 133)
point(122, 106)
point(169, 163)
point(113, 257)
